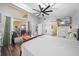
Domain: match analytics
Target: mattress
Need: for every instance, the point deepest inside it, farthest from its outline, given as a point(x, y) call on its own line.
point(47, 45)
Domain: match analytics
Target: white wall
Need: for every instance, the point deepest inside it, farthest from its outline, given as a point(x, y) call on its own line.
point(47, 24)
point(32, 18)
point(7, 10)
point(75, 19)
point(33, 21)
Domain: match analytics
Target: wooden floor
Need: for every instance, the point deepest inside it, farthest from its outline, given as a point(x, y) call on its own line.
point(10, 50)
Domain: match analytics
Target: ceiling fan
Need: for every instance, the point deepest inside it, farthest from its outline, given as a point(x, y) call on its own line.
point(43, 10)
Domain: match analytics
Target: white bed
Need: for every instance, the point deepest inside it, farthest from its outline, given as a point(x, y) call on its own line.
point(50, 46)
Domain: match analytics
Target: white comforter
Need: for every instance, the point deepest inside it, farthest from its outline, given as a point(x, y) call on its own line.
point(50, 46)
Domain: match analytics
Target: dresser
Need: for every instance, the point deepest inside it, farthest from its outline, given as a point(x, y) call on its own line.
point(62, 31)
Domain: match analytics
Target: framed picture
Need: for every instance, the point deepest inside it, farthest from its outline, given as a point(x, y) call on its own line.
point(67, 20)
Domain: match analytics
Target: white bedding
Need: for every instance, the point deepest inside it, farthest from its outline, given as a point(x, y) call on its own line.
point(50, 46)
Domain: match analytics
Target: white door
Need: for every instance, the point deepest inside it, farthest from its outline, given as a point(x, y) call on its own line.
point(48, 28)
point(39, 29)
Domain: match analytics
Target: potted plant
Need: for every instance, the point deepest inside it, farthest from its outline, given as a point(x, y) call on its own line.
point(59, 21)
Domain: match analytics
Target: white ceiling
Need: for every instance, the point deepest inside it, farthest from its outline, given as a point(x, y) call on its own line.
point(62, 9)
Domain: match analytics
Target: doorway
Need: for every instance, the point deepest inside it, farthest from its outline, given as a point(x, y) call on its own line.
point(17, 26)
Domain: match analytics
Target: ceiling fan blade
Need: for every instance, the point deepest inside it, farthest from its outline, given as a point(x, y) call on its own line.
point(45, 13)
point(46, 8)
point(40, 7)
point(49, 11)
point(36, 10)
point(39, 14)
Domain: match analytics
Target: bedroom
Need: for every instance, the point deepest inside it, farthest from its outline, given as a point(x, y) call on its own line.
point(52, 27)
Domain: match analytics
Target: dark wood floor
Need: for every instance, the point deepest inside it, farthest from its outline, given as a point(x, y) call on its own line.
point(10, 50)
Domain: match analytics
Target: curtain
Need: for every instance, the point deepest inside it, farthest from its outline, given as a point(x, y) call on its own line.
point(6, 38)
